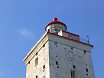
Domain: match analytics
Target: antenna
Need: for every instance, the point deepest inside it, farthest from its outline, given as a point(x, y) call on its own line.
point(54, 13)
point(88, 38)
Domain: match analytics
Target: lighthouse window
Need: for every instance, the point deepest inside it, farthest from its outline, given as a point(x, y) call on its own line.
point(86, 70)
point(84, 52)
point(29, 62)
point(74, 66)
point(44, 67)
point(44, 45)
point(37, 76)
point(37, 53)
point(56, 62)
point(57, 66)
point(71, 48)
point(72, 73)
point(86, 74)
point(36, 61)
point(71, 60)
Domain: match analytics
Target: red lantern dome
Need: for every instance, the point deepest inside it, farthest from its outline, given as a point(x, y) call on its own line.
point(56, 26)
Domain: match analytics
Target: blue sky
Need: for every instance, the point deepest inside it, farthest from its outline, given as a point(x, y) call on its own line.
point(22, 23)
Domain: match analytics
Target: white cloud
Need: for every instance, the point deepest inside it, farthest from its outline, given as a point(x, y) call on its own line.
point(26, 33)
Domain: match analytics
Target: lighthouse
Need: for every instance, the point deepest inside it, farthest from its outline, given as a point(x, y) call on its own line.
point(59, 54)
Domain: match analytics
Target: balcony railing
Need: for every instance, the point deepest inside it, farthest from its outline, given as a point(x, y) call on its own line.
point(73, 36)
point(84, 40)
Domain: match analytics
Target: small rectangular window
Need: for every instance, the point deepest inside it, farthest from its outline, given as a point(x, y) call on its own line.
point(36, 76)
point(43, 45)
point(44, 67)
point(86, 70)
point(71, 48)
point(36, 61)
point(56, 62)
point(72, 73)
point(74, 66)
point(29, 62)
point(84, 52)
point(37, 53)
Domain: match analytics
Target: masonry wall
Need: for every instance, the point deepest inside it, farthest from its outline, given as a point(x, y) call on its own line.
point(41, 70)
point(66, 55)
point(59, 56)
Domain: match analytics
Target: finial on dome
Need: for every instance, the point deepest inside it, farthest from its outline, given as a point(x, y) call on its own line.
point(55, 19)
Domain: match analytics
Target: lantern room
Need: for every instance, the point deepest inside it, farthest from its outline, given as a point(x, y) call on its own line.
point(56, 26)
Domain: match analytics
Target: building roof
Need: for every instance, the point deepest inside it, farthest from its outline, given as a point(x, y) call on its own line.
point(55, 21)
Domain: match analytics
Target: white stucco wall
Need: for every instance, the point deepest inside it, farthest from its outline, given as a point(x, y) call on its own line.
point(67, 58)
point(43, 59)
point(60, 50)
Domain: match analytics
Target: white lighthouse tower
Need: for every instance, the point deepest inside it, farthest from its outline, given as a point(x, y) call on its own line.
point(59, 54)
